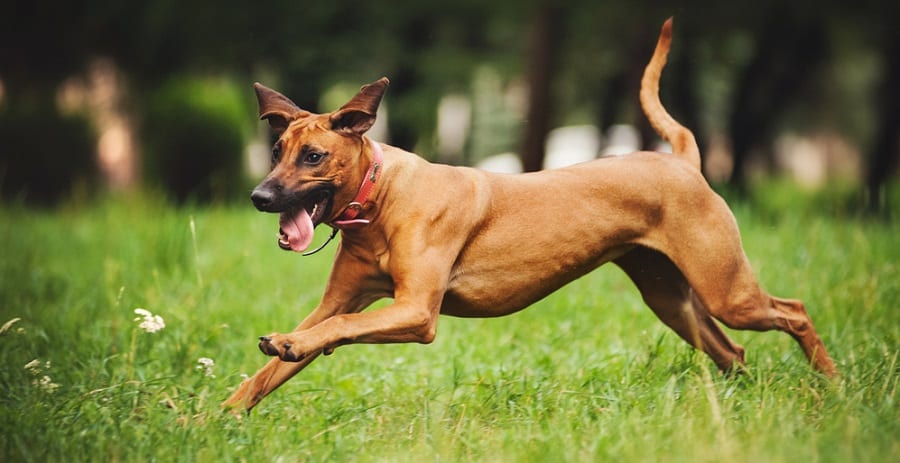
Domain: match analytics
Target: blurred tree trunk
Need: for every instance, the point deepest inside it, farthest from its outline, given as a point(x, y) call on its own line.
point(683, 95)
point(408, 78)
point(545, 40)
point(402, 133)
point(788, 49)
point(886, 149)
point(619, 102)
point(640, 49)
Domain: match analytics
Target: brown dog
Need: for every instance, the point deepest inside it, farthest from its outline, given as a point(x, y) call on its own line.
point(459, 241)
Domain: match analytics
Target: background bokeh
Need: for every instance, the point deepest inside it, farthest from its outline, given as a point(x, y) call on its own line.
point(101, 96)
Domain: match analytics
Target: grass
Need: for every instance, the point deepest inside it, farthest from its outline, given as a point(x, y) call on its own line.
point(588, 374)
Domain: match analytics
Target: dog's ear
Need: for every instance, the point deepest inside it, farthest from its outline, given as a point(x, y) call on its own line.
point(358, 115)
point(276, 108)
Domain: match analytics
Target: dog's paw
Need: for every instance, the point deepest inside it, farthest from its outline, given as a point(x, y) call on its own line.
point(277, 345)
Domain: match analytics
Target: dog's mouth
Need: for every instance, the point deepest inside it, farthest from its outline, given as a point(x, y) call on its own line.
point(297, 224)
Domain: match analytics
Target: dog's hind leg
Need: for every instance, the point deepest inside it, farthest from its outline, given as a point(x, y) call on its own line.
point(666, 291)
point(751, 308)
point(714, 263)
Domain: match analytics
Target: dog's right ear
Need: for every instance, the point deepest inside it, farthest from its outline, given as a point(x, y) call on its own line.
point(276, 108)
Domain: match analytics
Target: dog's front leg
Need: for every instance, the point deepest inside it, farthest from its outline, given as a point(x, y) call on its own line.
point(393, 324)
point(344, 294)
point(396, 323)
point(418, 291)
point(252, 390)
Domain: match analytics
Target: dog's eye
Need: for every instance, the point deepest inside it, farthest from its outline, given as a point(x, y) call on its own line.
point(276, 153)
point(313, 158)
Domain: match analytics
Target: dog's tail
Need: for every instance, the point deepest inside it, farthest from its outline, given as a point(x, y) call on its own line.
point(683, 143)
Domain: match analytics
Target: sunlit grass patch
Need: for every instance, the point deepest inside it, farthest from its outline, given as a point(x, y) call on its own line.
point(588, 374)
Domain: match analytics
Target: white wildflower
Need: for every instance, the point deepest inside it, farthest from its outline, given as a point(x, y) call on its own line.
point(206, 364)
point(149, 322)
point(34, 367)
point(45, 383)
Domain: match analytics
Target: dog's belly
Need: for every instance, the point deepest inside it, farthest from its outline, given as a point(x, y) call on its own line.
point(513, 285)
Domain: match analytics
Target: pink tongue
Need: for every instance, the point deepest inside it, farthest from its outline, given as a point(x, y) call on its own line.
point(299, 229)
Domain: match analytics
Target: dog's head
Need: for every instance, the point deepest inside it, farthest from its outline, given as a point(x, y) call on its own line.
point(318, 161)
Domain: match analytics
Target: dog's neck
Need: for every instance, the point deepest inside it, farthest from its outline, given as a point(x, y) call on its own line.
point(348, 217)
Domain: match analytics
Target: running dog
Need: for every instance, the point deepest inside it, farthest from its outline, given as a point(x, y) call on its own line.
point(459, 241)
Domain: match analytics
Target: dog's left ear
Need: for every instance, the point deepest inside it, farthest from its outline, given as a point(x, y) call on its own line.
point(358, 115)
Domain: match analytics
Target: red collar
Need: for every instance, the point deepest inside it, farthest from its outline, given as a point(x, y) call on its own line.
point(348, 217)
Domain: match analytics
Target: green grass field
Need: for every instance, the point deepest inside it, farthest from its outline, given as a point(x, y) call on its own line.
point(587, 374)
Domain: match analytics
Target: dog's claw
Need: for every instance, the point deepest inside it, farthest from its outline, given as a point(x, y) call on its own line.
point(265, 339)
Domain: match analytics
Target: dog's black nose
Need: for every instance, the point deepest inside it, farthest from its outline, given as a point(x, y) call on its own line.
point(263, 198)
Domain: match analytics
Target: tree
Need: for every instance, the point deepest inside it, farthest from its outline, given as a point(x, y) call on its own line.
point(544, 41)
point(885, 150)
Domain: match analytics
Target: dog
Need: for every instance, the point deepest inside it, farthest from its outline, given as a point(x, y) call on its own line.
point(458, 241)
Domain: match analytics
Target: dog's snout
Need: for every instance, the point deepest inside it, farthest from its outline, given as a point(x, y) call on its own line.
point(264, 197)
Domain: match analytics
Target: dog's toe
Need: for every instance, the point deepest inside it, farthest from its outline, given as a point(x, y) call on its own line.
point(265, 345)
point(289, 355)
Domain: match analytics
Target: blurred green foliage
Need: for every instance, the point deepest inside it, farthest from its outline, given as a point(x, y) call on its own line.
point(194, 132)
point(44, 155)
point(431, 49)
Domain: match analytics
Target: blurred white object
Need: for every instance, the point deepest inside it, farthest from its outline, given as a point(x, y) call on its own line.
point(622, 139)
point(571, 145)
point(505, 163)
